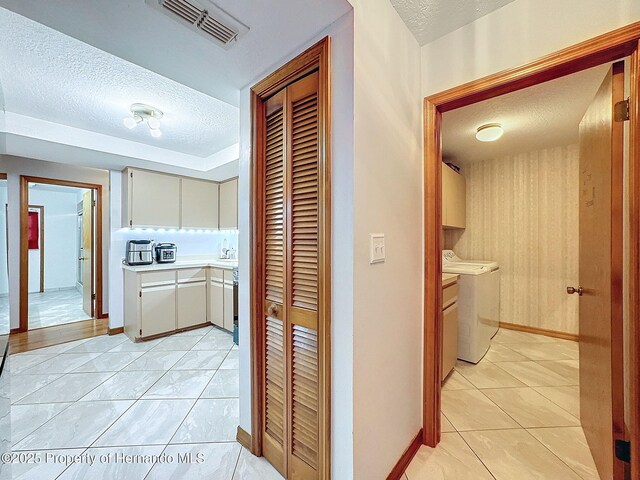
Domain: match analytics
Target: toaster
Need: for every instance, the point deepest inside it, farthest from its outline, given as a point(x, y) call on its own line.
point(166, 252)
point(139, 252)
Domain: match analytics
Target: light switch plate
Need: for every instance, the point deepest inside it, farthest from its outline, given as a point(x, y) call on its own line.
point(377, 251)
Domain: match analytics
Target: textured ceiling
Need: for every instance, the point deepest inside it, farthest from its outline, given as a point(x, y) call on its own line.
point(431, 19)
point(538, 117)
point(134, 31)
point(51, 76)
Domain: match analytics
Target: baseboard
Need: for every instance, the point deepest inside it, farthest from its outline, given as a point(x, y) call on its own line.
point(540, 331)
point(15, 330)
point(103, 315)
point(404, 461)
point(116, 331)
point(243, 438)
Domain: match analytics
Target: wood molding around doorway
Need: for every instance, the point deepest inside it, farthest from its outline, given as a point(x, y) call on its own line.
point(24, 247)
point(314, 59)
point(602, 49)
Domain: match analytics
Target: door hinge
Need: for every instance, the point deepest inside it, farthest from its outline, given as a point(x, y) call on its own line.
point(140, 331)
point(131, 223)
point(140, 295)
point(131, 174)
point(94, 203)
point(622, 111)
point(93, 296)
point(623, 450)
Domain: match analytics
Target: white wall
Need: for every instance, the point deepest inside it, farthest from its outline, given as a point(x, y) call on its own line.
point(202, 244)
point(16, 166)
point(516, 34)
point(4, 277)
point(387, 351)
point(341, 33)
point(60, 240)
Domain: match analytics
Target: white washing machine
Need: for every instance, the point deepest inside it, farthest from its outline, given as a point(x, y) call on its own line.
point(478, 304)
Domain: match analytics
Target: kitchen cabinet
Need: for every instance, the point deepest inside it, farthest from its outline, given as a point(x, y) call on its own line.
point(192, 297)
point(454, 199)
point(449, 324)
point(228, 218)
point(150, 199)
point(161, 301)
point(150, 303)
point(216, 296)
point(199, 204)
point(228, 301)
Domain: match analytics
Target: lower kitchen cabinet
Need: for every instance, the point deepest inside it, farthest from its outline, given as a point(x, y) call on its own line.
point(157, 310)
point(216, 296)
point(228, 301)
point(163, 301)
point(192, 297)
point(449, 325)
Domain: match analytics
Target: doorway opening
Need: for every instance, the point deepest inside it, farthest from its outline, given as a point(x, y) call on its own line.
point(60, 253)
point(608, 432)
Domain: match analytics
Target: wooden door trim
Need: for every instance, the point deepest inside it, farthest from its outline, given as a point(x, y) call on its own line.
point(24, 245)
point(596, 51)
point(634, 262)
point(41, 222)
point(314, 58)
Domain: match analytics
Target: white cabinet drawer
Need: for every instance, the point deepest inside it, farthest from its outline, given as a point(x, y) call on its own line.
point(154, 279)
point(192, 275)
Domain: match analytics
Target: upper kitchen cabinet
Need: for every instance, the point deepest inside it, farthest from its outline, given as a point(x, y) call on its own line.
point(199, 204)
point(150, 199)
point(229, 204)
point(454, 199)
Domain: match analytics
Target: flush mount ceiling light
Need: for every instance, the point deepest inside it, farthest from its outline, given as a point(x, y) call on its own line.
point(489, 132)
point(145, 113)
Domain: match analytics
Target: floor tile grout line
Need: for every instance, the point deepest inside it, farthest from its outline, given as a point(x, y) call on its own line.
point(554, 453)
point(477, 456)
point(69, 466)
point(29, 404)
point(235, 467)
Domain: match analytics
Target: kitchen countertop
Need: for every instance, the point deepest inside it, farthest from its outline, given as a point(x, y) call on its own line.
point(449, 278)
point(184, 263)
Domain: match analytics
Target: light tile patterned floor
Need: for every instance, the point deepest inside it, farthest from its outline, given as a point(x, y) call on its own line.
point(47, 309)
point(513, 415)
point(108, 396)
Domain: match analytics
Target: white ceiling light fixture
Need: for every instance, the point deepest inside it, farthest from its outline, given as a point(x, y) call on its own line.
point(141, 112)
point(489, 132)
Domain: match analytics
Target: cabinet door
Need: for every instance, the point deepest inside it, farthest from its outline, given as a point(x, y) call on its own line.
point(229, 204)
point(216, 297)
point(446, 192)
point(449, 339)
point(154, 199)
point(457, 209)
point(228, 301)
point(192, 304)
point(158, 310)
point(199, 204)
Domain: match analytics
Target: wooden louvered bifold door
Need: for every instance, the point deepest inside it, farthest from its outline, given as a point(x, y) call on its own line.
point(274, 375)
point(302, 279)
point(291, 229)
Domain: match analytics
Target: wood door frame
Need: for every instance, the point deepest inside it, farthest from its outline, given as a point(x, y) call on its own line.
point(314, 58)
point(602, 49)
point(41, 222)
point(24, 250)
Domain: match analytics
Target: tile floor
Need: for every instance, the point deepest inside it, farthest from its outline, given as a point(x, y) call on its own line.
point(107, 397)
point(513, 415)
point(55, 308)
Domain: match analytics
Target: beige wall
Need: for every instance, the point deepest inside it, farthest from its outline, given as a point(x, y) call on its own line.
point(522, 212)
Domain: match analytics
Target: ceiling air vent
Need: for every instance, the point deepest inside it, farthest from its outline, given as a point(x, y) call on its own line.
point(203, 17)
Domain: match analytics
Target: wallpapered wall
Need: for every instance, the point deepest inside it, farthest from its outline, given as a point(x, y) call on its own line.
point(522, 212)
